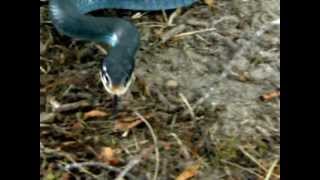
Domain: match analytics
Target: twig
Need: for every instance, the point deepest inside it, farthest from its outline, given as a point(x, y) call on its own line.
point(95, 164)
point(133, 162)
point(173, 16)
point(184, 99)
point(203, 98)
point(45, 46)
point(202, 39)
point(128, 167)
point(165, 16)
point(162, 98)
point(227, 41)
point(46, 59)
point(172, 32)
point(151, 24)
point(194, 32)
point(242, 168)
point(155, 141)
point(57, 107)
point(45, 150)
point(253, 159)
point(271, 170)
point(138, 15)
point(43, 70)
point(42, 148)
point(183, 147)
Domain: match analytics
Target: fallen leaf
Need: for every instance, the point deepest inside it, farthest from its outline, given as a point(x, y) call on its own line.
point(108, 156)
point(126, 123)
point(189, 172)
point(210, 3)
point(95, 113)
point(270, 95)
point(66, 176)
point(125, 126)
point(77, 125)
point(166, 145)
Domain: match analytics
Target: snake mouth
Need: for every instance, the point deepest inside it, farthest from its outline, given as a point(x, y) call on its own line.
point(118, 90)
point(115, 89)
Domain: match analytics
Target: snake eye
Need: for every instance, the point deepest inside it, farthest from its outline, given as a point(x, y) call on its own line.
point(104, 70)
point(105, 75)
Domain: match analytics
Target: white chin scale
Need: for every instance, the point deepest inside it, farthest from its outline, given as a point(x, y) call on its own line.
point(114, 91)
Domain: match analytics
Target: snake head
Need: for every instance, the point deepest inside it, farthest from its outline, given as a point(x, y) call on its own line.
point(116, 75)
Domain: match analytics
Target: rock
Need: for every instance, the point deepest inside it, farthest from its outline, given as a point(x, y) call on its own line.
point(241, 64)
point(47, 117)
point(262, 72)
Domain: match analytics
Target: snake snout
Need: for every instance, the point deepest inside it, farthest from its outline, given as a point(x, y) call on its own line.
point(115, 88)
point(118, 90)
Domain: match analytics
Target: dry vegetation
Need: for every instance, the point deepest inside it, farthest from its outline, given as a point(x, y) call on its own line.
point(205, 103)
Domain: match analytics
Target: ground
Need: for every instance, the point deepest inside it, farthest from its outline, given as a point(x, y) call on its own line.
point(204, 105)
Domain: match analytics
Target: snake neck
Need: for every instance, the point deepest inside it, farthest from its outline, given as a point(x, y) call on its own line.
point(124, 36)
point(69, 19)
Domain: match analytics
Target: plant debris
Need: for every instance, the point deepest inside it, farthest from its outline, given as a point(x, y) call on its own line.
point(199, 72)
point(108, 156)
point(270, 95)
point(95, 114)
point(189, 172)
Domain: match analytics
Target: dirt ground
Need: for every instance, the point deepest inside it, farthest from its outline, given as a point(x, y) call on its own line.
point(205, 103)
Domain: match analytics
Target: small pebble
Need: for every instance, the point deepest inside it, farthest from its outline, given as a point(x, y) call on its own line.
point(172, 84)
point(262, 72)
point(241, 64)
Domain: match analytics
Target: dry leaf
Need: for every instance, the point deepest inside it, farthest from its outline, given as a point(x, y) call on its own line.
point(68, 143)
point(125, 126)
point(77, 125)
point(95, 113)
point(108, 155)
point(66, 176)
point(210, 3)
point(189, 172)
point(166, 145)
point(126, 123)
point(270, 95)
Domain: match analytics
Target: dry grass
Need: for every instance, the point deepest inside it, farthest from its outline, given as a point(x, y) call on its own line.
point(200, 75)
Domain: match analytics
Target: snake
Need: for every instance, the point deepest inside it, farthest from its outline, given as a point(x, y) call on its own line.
point(72, 18)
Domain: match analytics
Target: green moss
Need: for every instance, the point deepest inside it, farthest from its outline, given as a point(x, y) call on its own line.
point(227, 150)
point(50, 176)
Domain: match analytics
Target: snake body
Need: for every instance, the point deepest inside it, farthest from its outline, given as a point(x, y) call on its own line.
point(70, 17)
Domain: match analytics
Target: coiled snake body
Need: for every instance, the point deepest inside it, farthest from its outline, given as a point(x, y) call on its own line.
point(70, 18)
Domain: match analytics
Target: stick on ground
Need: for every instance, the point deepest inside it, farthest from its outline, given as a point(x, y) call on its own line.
point(155, 140)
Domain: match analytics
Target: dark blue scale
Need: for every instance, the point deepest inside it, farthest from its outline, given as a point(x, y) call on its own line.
point(70, 18)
